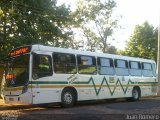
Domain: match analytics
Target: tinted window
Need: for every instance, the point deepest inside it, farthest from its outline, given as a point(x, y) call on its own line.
point(121, 67)
point(107, 62)
point(154, 69)
point(134, 65)
point(41, 66)
point(105, 66)
point(135, 68)
point(147, 69)
point(121, 64)
point(64, 63)
point(86, 64)
point(147, 66)
point(104, 62)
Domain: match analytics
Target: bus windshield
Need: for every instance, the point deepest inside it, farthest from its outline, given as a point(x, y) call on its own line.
point(17, 72)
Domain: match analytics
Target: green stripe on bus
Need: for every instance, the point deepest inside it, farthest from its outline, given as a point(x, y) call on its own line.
point(147, 82)
point(48, 82)
point(104, 83)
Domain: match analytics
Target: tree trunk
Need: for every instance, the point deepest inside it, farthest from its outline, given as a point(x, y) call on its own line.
point(1, 76)
point(104, 45)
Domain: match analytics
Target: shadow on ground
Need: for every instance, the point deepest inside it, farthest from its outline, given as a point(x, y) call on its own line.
point(118, 104)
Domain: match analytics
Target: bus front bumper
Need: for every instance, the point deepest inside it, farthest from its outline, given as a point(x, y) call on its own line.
point(23, 99)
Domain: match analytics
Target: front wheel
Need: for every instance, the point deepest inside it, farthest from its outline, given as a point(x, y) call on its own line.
point(68, 98)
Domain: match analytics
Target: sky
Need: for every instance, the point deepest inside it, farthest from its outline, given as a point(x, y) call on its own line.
point(133, 12)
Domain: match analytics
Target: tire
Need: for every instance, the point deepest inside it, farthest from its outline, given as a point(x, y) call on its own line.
point(68, 98)
point(135, 94)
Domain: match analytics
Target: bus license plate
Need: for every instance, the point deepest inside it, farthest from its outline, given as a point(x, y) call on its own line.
point(11, 99)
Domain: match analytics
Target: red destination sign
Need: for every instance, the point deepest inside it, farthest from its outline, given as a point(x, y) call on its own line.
point(20, 51)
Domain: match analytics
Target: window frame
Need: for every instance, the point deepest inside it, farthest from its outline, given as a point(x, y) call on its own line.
point(64, 54)
point(121, 68)
point(139, 65)
point(51, 64)
point(154, 68)
point(142, 64)
point(133, 71)
point(110, 60)
point(111, 63)
point(126, 63)
point(149, 70)
point(94, 62)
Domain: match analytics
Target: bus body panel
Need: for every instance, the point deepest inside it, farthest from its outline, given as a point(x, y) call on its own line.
point(45, 91)
point(15, 96)
point(23, 99)
point(48, 89)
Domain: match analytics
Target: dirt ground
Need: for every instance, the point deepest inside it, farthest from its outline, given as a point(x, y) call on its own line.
point(2, 103)
point(91, 110)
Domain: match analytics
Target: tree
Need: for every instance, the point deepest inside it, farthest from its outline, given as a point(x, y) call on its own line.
point(143, 42)
point(112, 49)
point(95, 17)
point(24, 22)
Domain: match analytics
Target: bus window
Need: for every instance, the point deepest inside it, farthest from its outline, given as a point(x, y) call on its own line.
point(86, 64)
point(17, 71)
point(121, 67)
point(64, 63)
point(135, 68)
point(105, 66)
point(147, 69)
point(154, 69)
point(42, 66)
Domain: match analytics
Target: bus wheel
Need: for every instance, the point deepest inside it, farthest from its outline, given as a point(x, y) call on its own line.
point(136, 94)
point(68, 98)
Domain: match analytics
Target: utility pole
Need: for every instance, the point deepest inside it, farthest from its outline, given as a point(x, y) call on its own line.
point(158, 58)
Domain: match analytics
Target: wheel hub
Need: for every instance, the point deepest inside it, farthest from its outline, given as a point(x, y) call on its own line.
point(68, 98)
point(135, 94)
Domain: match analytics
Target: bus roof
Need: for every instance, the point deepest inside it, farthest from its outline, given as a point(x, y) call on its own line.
point(38, 47)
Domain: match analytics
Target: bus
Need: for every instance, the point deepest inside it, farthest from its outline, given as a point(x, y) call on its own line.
point(38, 74)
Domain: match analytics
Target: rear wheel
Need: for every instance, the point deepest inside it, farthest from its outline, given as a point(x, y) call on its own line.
point(68, 98)
point(136, 94)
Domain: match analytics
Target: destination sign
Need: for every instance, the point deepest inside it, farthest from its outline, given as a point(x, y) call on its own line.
point(20, 51)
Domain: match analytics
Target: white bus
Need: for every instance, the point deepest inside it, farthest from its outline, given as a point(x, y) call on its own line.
point(40, 74)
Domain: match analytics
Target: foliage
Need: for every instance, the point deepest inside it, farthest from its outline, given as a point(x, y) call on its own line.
point(112, 49)
point(95, 17)
point(143, 42)
point(25, 22)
